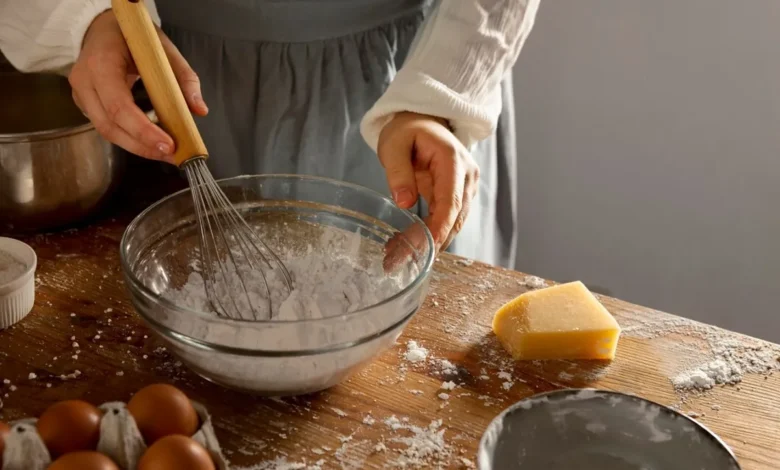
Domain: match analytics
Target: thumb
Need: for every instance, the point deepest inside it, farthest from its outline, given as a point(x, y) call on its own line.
point(395, 151)
point(187, 78)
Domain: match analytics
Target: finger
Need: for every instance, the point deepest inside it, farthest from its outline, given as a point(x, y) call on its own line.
point(77, 101)
point(448, 189)
point(93, 109)
point(187, 78)
point(131, 79)
point(469, 192)
point(396, 252)
point(460, 221)
point(120, 108)
point(409, 244)
point(396, 156)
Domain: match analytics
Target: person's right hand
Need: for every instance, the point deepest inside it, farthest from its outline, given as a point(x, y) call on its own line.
point(102, 78)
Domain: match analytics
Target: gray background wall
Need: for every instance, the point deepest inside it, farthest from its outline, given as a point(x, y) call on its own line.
point(649, 136)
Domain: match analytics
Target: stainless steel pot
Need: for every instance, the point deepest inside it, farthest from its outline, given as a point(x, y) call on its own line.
point(55, 169)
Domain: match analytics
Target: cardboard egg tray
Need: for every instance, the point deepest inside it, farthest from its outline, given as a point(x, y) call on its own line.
point(120, 440)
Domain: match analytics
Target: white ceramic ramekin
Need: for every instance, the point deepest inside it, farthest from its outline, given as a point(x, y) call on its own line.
point(17, 296)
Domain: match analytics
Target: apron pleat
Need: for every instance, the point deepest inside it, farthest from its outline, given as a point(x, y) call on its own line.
point(296, 106)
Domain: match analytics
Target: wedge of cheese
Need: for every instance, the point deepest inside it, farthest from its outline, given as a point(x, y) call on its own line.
point(560, 322)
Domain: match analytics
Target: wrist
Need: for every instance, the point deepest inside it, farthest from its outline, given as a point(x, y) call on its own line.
point(103, 20)
point(410, 115)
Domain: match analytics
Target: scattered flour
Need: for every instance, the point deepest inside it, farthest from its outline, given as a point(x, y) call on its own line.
point(74, 375)
point(425, 447)
point(415, 352)
point(566, 376)
point(507, 378)
point(10, 268)
point(352, 455)
point(448, 385)
point(533, 282)
point(731, 356)
point(447, 367)
point(707, 376)
point(484, 285)
point(282, 463)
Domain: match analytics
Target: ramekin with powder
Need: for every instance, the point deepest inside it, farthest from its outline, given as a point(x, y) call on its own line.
point(10, 268)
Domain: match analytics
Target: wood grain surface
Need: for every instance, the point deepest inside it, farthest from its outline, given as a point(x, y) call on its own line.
point(80, 296)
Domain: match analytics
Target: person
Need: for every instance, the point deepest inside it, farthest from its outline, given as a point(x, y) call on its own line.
point(317, 87)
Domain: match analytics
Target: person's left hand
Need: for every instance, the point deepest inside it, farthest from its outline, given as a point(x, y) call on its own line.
point(422, 157)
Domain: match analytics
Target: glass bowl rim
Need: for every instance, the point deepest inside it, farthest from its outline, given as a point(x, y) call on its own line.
point(135, 283)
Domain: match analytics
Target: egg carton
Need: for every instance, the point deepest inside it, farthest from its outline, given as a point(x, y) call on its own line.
point(120, 440)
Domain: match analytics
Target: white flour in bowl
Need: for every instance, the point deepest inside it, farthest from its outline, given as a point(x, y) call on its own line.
point(325, 283)
point(10, 268)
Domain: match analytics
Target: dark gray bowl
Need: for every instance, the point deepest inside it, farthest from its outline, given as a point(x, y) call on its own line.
point(597, 429)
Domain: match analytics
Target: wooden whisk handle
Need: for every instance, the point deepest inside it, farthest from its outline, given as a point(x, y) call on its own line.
point(164, 92)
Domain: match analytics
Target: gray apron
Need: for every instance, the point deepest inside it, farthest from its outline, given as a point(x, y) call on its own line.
point(287, 83)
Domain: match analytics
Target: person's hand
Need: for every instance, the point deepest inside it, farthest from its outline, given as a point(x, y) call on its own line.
point(102, 78)
point(422, 157)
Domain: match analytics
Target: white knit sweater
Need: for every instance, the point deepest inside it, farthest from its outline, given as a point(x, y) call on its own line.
point(453, 71)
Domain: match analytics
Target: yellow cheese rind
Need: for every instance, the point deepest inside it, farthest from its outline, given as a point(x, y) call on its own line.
point(565, 321)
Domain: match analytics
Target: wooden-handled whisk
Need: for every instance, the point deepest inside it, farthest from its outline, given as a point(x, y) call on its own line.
point(231, 251)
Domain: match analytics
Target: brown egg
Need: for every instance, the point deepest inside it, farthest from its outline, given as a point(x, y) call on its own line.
point(83, 460)
point(4, 430)
point(70, 426)
point(162, 410)
point(176, 453)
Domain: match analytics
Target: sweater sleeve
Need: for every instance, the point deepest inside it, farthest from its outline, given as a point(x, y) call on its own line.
point(46, 35)
point(455, 67)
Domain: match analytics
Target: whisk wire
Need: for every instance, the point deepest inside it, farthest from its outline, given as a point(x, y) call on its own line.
point(249, 236)
point(204, 223)
point(252, 238)
point(211, 214)
point(215, 209)
point(216, 213)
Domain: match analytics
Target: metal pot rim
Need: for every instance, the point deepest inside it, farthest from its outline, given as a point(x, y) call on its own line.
point(57, 133)
point(46, 135)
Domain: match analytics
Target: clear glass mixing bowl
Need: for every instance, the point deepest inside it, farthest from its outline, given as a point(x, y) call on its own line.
point(277, 357)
